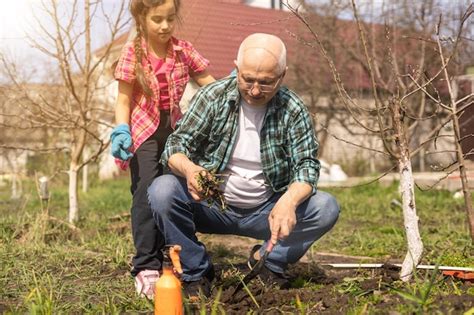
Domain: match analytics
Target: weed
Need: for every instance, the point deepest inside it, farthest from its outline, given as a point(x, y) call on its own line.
point(352, 286)
point(298, 282)
point(420, 290)
point(300, 306)
point(40, 300)
point(216, 307)
point(209, 185)
point(359, 310)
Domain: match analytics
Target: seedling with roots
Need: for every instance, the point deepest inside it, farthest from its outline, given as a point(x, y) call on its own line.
point(209, 185)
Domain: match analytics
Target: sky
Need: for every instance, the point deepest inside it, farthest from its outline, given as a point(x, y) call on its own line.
point(13, 20)
point(18, 19)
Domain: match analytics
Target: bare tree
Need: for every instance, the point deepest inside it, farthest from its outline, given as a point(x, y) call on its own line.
point(73, 109)
point(457, 107)
point(404, 77)
point(314, 82)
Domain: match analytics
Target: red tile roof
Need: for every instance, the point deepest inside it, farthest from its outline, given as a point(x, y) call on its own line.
point(217, 28)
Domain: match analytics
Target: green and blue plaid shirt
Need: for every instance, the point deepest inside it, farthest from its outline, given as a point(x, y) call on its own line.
point(208, 131)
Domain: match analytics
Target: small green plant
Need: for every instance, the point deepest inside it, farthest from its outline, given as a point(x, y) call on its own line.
point(352, 286)
point(110, 306)
point(40, 299)
point(216, 307)
point(420, 291)
point(252, 297)
point(209, 185)
point(302, 307)
point(221, 251)
point(298, 283)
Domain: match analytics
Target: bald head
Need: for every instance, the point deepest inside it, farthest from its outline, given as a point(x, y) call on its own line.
point(265, 48)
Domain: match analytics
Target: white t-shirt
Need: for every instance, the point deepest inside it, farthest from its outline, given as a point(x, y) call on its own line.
point(244, 184)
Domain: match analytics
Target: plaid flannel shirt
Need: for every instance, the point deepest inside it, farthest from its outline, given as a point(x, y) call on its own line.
point(182, 58)
point(207, 134)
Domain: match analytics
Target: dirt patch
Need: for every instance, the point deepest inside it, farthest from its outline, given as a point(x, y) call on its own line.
point(319, 289)
point(315, 289)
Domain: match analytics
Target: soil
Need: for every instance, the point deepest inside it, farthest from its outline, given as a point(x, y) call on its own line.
point(317, 288)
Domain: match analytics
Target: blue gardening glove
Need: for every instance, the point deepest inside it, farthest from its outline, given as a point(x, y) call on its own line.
point(121, 141)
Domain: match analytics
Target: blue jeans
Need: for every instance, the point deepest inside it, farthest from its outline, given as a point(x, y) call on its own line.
point(179, 217)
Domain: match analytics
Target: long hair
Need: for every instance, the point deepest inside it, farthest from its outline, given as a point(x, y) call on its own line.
point(139, 9)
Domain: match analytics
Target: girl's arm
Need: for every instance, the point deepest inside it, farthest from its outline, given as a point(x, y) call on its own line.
point(122, 109)
point(202, 78)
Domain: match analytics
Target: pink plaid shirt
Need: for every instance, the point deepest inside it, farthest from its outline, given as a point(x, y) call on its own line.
point(181, 59)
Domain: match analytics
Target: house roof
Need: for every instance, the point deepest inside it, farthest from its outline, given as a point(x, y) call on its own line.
point(217, 27)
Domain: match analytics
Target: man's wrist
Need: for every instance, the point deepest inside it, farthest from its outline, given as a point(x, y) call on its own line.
point(297, 193)
point(191, 169)
point(181, 164)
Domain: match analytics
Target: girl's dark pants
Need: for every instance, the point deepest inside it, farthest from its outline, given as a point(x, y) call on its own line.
point(145, 167)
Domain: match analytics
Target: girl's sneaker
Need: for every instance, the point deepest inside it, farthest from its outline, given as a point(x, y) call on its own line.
point(145, 283)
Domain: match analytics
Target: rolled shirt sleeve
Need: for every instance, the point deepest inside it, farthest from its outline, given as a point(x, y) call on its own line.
point(303, 150)
point(190, 131)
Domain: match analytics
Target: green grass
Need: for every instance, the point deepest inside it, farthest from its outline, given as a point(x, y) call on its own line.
point(370, 225)
point(87, 271)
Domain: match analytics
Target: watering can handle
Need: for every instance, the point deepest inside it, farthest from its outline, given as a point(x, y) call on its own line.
point(174, 255)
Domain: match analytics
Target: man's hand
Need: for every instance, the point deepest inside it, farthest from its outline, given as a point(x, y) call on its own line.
point(282, 219)
point(182, 166)
point(192, 181)
point(121, 141)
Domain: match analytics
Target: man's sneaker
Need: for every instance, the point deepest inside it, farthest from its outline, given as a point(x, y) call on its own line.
point(145, 283)
point(194, 290)
point(268, 276)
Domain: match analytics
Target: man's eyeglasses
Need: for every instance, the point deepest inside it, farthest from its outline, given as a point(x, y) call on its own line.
point(264, 86)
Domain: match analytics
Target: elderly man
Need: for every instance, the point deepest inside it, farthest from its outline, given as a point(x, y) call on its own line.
point(259, 136)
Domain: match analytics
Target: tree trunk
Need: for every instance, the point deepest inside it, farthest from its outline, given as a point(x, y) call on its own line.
point(85, 170)
point(421, 157)
point(467, 200)
point(460, 156)
point(85, 178)
point(410, 219)
point(16, 187)
point(464, 182)
point(73, 204)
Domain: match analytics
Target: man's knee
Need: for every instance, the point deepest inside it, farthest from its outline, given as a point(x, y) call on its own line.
point(161, 192)
point(330, 209)
point(326, 207)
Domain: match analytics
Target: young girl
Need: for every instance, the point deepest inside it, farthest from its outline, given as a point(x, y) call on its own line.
point(152, 72)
